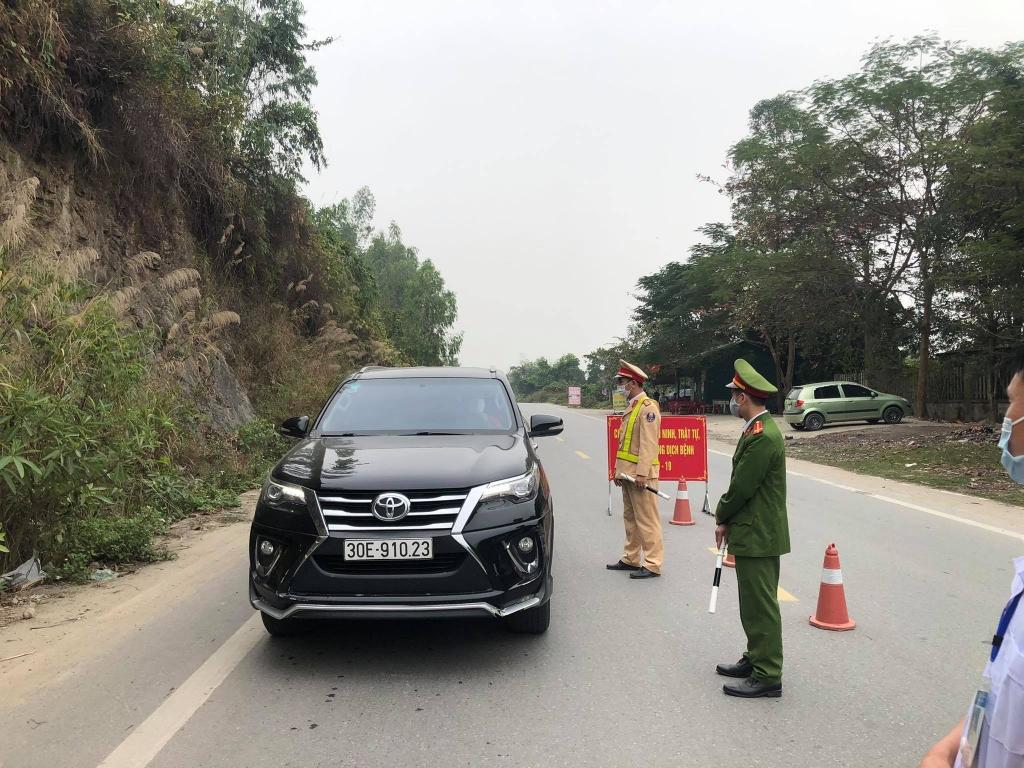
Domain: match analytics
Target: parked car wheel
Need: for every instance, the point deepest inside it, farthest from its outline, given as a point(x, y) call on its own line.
point(893, 415)
point(813, 422)
point(280, 627)
point(797, 427)
point(532, 621)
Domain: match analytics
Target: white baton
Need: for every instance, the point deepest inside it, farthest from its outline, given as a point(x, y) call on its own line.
point(718, 576)
point(655, 491)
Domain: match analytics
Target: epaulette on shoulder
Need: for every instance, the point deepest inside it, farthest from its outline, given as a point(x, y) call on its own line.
point(756, 428)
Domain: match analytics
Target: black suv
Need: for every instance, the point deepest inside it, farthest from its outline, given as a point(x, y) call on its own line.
point(416, 492)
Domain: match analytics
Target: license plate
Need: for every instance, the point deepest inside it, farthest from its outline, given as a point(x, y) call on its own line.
point(389, 549)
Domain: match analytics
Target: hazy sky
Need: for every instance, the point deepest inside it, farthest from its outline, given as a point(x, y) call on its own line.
point(544, 154)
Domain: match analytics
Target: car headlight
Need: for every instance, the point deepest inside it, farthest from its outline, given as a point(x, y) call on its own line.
point(284, 495)
point(518, 488)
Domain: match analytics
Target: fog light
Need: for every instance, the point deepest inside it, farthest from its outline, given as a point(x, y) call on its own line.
point(267, 548)
point(525, 545)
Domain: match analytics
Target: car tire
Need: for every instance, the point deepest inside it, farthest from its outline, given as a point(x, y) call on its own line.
point(532, 621)
point(873, 421)
point(280, 627)
point(797, 427)
point(893, 414)
point(813, 422)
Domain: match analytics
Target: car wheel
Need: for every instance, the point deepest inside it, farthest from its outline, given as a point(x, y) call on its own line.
point(532, 621)
point(280, 627)
point(893, 415)
point(797, 427)
point(873, 421)
point(813, 422)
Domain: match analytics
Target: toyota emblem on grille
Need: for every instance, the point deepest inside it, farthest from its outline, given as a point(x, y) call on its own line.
point(391, 507)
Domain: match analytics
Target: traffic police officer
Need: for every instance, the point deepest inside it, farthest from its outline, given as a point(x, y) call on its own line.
point(751, 516)
point(637, 457)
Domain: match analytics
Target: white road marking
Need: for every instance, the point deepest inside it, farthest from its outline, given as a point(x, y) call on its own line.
point(955, 518)
point(146, 741)
point(906, 504)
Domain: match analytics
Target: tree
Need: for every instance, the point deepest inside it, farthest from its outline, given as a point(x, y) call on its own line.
point(982, 287)
point(417, 309)
point(249, 63)
point(895, 128)
point(780, 272)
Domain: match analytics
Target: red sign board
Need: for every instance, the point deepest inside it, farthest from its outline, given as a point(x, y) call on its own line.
point(682, 449)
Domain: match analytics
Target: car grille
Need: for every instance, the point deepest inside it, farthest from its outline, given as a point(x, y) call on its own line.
point(440, 563)
point(433, 510)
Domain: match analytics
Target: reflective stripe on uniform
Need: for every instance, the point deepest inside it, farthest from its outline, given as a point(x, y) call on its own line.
point(624, 452)
point(630, 423)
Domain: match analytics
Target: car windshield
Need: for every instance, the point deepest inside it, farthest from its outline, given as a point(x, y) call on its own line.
point(419, 406)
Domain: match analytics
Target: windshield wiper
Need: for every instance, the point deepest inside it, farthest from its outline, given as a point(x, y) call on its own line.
point(428, 432)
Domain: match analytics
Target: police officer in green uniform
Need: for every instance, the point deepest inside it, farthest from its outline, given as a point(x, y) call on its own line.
point(751, 516)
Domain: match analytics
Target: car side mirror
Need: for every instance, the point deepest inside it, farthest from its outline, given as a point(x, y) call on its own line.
point(874, 394)
point(545, 426)
point(296, 426)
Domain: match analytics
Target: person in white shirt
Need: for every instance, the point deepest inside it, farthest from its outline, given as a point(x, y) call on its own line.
point(1001, 740)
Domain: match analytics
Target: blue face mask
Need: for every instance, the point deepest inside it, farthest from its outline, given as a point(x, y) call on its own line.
point(1014, 465)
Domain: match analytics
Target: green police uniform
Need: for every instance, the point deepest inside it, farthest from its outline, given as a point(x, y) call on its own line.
point(754, 509)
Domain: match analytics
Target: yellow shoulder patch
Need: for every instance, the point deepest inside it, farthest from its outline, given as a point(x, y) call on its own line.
point(757, 428)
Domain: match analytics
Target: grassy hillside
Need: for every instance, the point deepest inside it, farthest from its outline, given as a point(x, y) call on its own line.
point(166, 293)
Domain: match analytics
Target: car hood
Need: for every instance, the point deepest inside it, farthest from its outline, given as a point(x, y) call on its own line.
point(401, 463)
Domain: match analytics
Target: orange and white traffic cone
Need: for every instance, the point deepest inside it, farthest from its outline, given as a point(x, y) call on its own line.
point(831, 612)
point(730, 561)
point(681, 515)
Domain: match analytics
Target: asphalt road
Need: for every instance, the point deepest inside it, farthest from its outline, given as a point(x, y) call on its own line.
point(624, 677)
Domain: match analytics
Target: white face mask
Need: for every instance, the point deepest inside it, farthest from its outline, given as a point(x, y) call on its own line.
point(734, 408)
point(1014, 465)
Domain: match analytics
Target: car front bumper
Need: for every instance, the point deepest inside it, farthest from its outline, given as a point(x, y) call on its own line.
point(484, 576)
point(391, 610)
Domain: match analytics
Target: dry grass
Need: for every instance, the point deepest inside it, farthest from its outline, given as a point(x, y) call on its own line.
point(15, 210)
point(220, 320)
point(63, 271)
point(179, 280)
point(124, 299)
point(142, 261)
point(186, 299)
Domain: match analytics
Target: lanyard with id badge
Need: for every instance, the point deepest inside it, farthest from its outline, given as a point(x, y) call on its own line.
point(976, 719)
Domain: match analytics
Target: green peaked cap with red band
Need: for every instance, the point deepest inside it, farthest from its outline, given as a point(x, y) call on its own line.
point(750, 381)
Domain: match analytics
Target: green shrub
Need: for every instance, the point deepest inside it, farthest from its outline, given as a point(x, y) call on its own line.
point(178, 496)
point(109, 540)
point(87, 436)
point(260, 441)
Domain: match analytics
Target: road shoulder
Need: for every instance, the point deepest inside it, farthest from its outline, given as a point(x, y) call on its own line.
point(77, 623)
